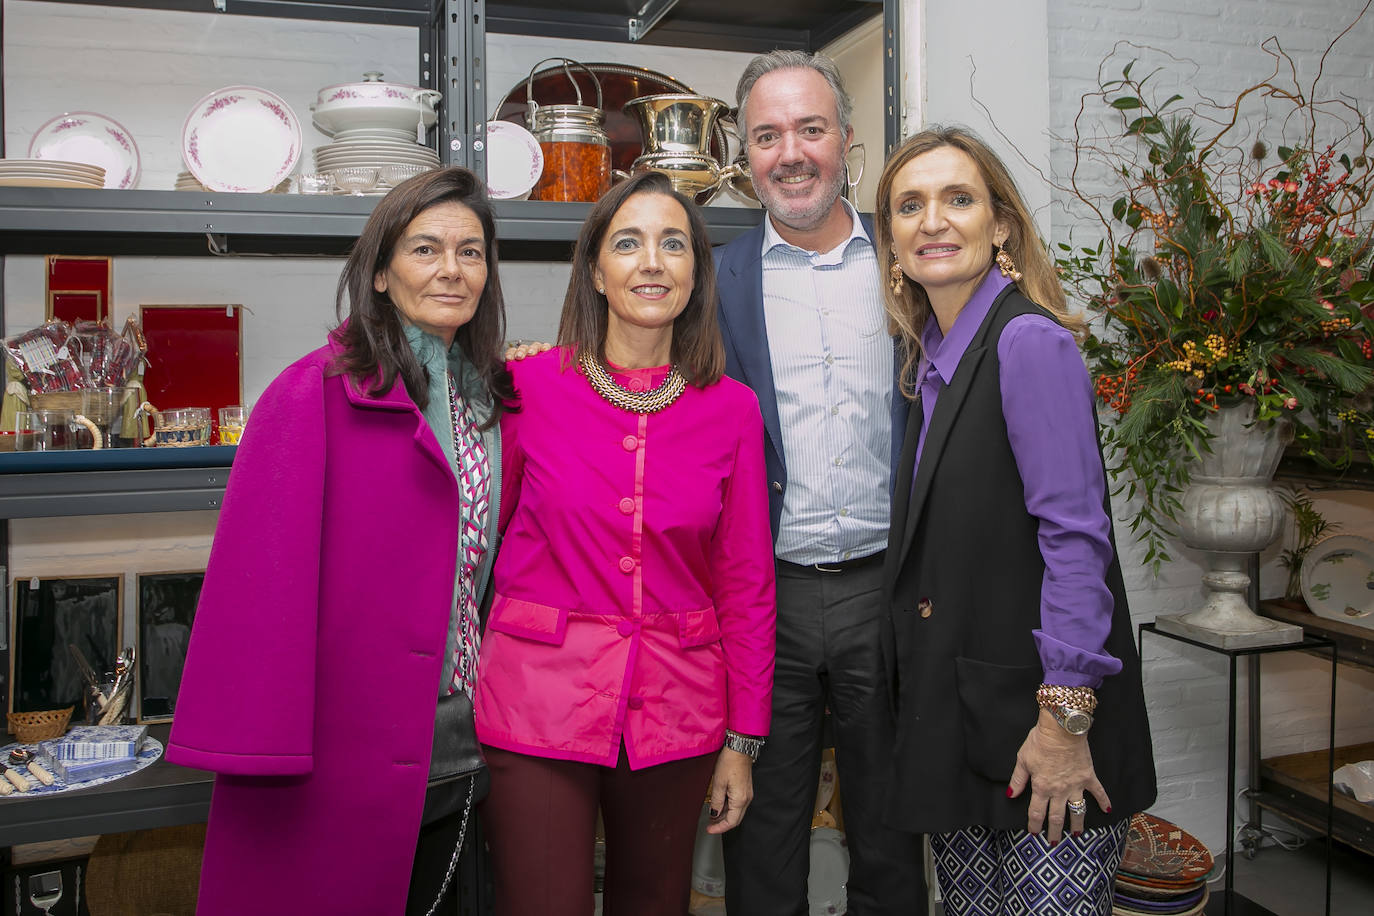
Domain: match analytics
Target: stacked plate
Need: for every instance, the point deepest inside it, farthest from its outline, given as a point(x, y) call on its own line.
point(1163, 872)
point(186, 181)
point(91, 138)
point(49, 173)
point(375, 148)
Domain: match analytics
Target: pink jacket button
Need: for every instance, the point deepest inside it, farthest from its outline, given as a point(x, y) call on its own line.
point(635, 702)
point(630, 442)
point(627, 505)
point(625, 628)
point(627, 564)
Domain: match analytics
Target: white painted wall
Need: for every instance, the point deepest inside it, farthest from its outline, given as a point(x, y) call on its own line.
point(984, 64)
point(859, 55)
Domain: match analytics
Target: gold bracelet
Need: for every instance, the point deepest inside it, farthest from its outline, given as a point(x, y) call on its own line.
point(1051, 695)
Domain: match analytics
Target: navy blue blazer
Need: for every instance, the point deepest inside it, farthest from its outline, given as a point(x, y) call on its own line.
point(739, 282)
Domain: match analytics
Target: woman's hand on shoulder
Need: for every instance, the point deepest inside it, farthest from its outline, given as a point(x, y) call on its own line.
point(732, 789)
point(1058, 767)
point(519, 349)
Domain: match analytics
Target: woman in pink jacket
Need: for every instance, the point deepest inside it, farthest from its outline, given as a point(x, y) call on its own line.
point(348, 567)
point(628, 656)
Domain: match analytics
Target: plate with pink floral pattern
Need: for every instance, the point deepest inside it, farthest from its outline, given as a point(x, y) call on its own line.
point(241, 138)
point(92, 138)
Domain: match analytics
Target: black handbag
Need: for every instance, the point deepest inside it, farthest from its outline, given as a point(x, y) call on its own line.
point(455, 763)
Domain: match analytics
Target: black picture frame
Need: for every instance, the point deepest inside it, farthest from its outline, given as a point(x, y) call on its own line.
point(47, 615)
point(166, 609)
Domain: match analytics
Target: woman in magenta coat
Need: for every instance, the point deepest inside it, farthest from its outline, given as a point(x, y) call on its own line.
point(628, 657)
point(348, 565)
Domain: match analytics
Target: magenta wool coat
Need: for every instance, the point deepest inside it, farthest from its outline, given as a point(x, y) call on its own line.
point(316, 656)
point(634, 594)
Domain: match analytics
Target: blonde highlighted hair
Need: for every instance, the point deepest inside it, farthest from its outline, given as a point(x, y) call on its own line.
point(909, 308)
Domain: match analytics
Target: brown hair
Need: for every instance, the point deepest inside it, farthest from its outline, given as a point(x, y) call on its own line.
point(908, 309)
point(697, 349)
point(375, 350)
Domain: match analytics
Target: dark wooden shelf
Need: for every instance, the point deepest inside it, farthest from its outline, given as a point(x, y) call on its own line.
point(1354, 643)
point(1294, 786)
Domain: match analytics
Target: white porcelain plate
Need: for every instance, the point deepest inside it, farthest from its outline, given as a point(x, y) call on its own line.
point(375, 133)
point(241, 138)
point(1338, 579)
point(85, 136)
point(825, 885)
point(514, 160)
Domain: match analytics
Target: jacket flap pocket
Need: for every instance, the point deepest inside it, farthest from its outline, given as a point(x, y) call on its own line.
point(998, 709)
point(698, 628)
point(540, 622)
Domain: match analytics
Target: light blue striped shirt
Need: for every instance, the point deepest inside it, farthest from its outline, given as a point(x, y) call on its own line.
point(832, 367)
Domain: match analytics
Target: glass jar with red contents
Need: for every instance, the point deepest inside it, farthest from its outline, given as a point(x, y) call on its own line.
point(577, 152)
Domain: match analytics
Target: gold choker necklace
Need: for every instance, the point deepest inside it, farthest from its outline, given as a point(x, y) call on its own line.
point(651, 401)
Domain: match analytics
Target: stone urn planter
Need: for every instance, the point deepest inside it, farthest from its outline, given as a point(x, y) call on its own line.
point(1231, 512)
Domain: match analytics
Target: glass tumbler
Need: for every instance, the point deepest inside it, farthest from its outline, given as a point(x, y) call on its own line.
point(114, 411)
point(231, 420)
point(45, 430)
point(182, 427)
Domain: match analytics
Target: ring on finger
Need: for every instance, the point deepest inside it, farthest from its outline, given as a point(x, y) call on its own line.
point(1078, 808)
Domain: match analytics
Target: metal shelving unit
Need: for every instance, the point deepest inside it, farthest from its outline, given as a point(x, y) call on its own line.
point(41, 220)
point(113, 481)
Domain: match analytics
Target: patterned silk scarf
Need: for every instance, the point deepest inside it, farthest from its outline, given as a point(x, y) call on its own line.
point(474, 498)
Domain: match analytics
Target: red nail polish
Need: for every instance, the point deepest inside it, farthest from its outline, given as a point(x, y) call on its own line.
point(1053, 843)
point(1009, 792)
point(1078, 833)
point(1108, 809)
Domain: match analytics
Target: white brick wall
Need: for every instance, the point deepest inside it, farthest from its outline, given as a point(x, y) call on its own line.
point(1186, 688)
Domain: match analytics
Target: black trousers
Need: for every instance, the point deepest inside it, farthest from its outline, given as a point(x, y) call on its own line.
point(433, 852)
point(829, 655)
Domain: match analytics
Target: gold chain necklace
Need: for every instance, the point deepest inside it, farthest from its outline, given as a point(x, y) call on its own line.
point(651, 401)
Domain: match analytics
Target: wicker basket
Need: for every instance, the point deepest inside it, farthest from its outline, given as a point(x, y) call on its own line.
point(29, 727)
point(56, 400)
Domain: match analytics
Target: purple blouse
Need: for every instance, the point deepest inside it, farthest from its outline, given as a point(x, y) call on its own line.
point(1047, 402)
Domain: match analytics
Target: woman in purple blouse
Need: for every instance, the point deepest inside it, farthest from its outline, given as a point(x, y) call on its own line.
point(1022, 743)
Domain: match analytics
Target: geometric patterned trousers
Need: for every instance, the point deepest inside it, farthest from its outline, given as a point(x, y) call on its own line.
point(986, 872)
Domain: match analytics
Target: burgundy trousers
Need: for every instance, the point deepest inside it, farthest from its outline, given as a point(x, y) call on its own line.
point(540, 825)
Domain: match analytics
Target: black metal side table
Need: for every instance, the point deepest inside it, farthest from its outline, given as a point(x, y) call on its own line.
point(1232, 903)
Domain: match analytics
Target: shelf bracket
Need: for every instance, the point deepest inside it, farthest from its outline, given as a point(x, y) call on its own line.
point(648, 17)
point(217, 242)
point(220, 5)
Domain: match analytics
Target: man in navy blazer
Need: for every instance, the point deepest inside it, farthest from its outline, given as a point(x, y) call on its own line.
point(802, 315)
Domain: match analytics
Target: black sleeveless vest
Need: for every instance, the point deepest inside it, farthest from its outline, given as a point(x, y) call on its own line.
point(964, 577)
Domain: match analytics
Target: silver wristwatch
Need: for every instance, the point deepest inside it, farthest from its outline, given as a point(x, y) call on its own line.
point(1074, 721)
point(748, 745)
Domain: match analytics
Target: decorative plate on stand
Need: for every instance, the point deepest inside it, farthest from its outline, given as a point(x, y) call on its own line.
point(1338, 579)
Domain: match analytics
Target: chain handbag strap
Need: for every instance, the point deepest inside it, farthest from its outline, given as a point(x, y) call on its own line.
point(457, 850)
